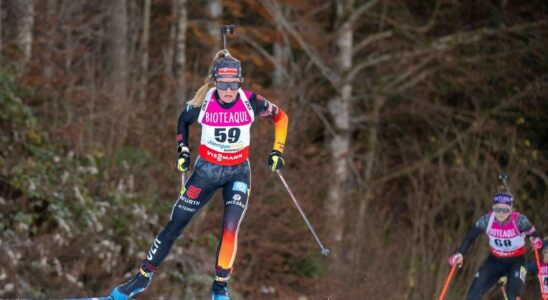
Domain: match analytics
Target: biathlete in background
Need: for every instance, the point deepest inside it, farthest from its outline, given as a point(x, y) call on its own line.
point(507, 230)
point(533, 269)
point(225, 113)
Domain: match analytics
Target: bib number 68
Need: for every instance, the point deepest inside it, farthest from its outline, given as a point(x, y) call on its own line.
point(503, 243)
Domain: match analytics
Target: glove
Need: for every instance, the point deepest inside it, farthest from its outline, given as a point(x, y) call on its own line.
point(275, 160)
point(456, 259)
point(183, 162)
point(536, 243)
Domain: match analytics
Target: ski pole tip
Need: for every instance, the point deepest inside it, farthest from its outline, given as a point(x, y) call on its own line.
point(325, 252)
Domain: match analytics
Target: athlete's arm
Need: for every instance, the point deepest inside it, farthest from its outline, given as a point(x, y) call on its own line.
point(266, 109)
point(525, 226)
point(479, 227)
point(188, 116)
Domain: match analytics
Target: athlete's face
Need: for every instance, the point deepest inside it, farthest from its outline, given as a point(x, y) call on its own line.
point(545, 256)
point(226, 93)
point(502, 211)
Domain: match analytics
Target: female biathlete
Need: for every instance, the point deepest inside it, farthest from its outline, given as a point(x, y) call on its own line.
point(506, 230)
point(532, 268)
point(225, 113)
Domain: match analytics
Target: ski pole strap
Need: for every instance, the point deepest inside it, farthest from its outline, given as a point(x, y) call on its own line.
point(539, 273)
point(447, 281)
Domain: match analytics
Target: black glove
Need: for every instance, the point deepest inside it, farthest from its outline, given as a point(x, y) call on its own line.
point(183, 162)
point(275, 160)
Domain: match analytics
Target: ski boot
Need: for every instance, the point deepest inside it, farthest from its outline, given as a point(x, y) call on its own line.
point(137, 284)
point(219, 290)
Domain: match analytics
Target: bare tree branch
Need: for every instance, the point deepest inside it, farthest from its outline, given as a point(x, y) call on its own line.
point(372, 39)
point(477, 125)
point(361, 10)
point(275, 10)
point(444, 43)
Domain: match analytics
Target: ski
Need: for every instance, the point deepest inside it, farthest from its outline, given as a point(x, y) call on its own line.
point(89, 298)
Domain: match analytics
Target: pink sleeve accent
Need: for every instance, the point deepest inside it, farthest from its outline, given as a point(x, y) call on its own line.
point(515, 216)
point(248, 93)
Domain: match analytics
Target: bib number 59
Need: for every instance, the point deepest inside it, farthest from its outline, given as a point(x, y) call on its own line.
point(224, 134)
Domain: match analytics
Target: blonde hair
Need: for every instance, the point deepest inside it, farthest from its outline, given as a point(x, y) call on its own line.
point(209, 81)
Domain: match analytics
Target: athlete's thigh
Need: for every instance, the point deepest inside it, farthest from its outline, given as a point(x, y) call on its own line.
point(516, 277)
point(484, 279)
point(236, 192)
point(198, 190)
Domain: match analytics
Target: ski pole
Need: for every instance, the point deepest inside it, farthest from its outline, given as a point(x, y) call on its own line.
point(503, 290)
point(539, 272)
point(325, 251)
point(447, 281)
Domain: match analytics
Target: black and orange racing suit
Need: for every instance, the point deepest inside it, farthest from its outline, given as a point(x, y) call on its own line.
point(205, 179)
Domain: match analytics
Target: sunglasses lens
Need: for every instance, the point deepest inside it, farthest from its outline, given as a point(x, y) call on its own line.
point(501, 210)
point(234, 85)
point(224, 85)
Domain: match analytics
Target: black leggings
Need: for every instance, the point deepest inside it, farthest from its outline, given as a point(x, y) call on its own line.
point(492, 269)
point(199, 188)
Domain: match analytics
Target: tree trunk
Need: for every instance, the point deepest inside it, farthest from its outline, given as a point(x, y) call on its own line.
point(1, 20)
point(47, 71)
point(118, 49)
point(214, 9)
point(339, 108)
point(144, 52)
point(281, 51)
point(23, 11)
point(118, 46)
point(180, 53)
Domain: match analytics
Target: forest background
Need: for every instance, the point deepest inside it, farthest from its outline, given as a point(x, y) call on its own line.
point(402, 113)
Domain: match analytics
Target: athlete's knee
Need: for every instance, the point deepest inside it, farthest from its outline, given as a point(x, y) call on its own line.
point(172, 231)
point(230, 227)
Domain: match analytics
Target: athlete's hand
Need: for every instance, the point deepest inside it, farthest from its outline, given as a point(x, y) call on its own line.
point(536, 243)
point(275, 160)
point(456, 259)
point(503, 280)
point(183, 162)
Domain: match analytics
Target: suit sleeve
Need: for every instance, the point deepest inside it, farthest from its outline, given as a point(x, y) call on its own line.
point(188, 116)
point(266, 109)
point(479, 227)
point(525, 226)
